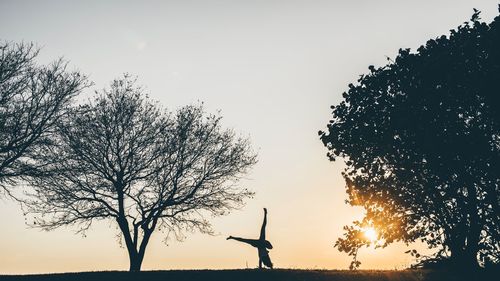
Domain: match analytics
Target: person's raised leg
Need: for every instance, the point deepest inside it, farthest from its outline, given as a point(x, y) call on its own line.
point(263, 227)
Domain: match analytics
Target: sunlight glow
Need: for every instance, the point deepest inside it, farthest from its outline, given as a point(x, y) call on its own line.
point(370, 234)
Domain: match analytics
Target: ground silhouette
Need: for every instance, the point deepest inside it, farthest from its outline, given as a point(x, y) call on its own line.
point(262, 275)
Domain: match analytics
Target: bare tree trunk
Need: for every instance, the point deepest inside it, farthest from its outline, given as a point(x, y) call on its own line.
point(136, 256)
point(135, 261)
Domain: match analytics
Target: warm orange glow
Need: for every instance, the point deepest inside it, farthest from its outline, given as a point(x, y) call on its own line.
point(370, 234)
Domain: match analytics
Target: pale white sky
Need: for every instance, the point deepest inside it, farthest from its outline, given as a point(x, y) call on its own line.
point(273, 68)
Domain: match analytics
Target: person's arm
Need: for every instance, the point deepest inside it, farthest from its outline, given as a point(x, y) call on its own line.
point(263, 228)
point(244, 240)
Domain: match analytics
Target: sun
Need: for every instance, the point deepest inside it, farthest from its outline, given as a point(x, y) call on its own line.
point(370, 234)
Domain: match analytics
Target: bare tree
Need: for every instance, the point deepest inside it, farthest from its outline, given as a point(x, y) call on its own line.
point(32, 100)
point(124, 158)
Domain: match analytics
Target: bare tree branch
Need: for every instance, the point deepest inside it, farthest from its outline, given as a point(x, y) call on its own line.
point(33, 99)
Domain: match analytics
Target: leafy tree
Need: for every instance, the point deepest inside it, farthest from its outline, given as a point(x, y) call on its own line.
point(421, 142)
point(32, 100)
point(122, 157)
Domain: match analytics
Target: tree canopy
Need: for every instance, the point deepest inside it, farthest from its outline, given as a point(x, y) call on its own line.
point(33, 99)
point(122, 157)
point(421, 141)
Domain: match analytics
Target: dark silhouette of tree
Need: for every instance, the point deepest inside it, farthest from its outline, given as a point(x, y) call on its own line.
point(421, 142)
point(33, 99)
point(122, 157)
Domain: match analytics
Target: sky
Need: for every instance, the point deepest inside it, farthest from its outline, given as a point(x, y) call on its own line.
point(272, 68)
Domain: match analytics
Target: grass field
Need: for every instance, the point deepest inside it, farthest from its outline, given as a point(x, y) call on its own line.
point(263, 275)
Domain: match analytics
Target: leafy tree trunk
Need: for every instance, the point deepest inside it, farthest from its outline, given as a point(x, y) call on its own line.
point(474, 233)
point(464, 245)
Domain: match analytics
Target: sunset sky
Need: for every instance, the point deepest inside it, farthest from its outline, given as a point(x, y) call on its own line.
point(272, 68)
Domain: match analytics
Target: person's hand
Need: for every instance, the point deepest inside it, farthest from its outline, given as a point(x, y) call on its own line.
point(230, 237)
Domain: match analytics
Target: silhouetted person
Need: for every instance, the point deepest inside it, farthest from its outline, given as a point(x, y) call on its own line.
point(261, 244)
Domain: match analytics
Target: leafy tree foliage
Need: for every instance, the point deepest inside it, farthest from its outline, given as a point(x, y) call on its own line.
point(421, 142)
point(124, 158)
point(32, 100)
